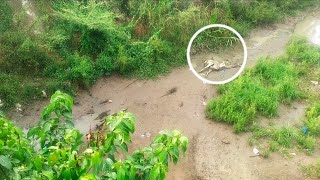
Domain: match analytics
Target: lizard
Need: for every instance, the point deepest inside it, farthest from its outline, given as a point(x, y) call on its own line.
point(212, 65)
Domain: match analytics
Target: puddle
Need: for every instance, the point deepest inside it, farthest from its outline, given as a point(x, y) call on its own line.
point(310, 28)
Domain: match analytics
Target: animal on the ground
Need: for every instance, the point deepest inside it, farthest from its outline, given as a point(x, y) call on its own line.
point(212, 65)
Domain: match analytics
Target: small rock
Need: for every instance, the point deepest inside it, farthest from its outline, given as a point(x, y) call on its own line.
point(109, 101)
point(76, 102)
point(225, 141)
point(181, 104)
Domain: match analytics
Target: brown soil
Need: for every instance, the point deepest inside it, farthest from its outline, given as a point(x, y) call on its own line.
point(215, 152)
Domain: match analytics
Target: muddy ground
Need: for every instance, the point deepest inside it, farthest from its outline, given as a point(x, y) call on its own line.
point(215, 152)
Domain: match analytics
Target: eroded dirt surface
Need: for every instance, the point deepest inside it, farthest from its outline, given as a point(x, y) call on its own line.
point(215, 152)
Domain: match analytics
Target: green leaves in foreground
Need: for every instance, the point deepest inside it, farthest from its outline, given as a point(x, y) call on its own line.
point(63, 154)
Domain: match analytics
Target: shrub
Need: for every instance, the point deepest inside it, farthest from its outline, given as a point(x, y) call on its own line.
point(80, 71)
point(62, 154)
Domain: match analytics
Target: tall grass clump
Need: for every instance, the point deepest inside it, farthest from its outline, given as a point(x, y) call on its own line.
point(259, 91)
point(241, 101)
point(301, 51)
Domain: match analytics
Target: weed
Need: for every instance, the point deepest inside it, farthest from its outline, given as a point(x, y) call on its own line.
point(313, 170)
point(259, 91)
point(299, 50)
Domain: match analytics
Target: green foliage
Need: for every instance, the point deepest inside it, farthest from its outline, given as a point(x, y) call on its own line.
point(62, 153)
point(21, 55)
point(299, 50)
point(281, 138)
point(313, 170)
point(312, 122)
point(259, 91)
point(241, 101)
point(6, 16)
point(80, 71)
point(15, 150)
point(83, 40)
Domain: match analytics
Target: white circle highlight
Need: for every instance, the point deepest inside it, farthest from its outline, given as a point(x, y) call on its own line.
point(245, 53)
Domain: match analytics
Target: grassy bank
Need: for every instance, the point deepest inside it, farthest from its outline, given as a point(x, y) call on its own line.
point(82, 41)
point(261, 90)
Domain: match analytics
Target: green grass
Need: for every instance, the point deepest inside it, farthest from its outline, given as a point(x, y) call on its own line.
point(258, 92)
point(272, 139)
point(262, 89)
point(82, 42)
point(312, 170)
point(299, 50)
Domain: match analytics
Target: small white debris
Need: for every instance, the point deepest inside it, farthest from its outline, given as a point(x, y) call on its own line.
point(148, 134)
point(18, 107)
point(109, 101)
point(256, 151)
point(204, 103)
point(315, 82)
point(293, 154)
point(44, 94)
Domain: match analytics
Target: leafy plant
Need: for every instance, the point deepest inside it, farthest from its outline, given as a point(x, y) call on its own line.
point(61, 152)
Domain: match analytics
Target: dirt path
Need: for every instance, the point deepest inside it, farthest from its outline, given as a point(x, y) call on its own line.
point(215, 151)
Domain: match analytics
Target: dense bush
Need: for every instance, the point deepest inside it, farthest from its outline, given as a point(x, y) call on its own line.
point(81, 41)
point(54, 149)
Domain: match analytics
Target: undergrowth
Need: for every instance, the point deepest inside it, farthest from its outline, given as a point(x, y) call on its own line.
point(81, 41)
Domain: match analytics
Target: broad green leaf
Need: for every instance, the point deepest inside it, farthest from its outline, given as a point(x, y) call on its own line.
point(38, 163)
point(154, 173)
point(88, 177)
point(48, 174)
point(5, 162)
point(121, 173)
point(124, 147)
point(33, 131)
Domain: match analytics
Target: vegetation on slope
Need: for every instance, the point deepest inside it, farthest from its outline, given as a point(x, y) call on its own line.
point(81, 41)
